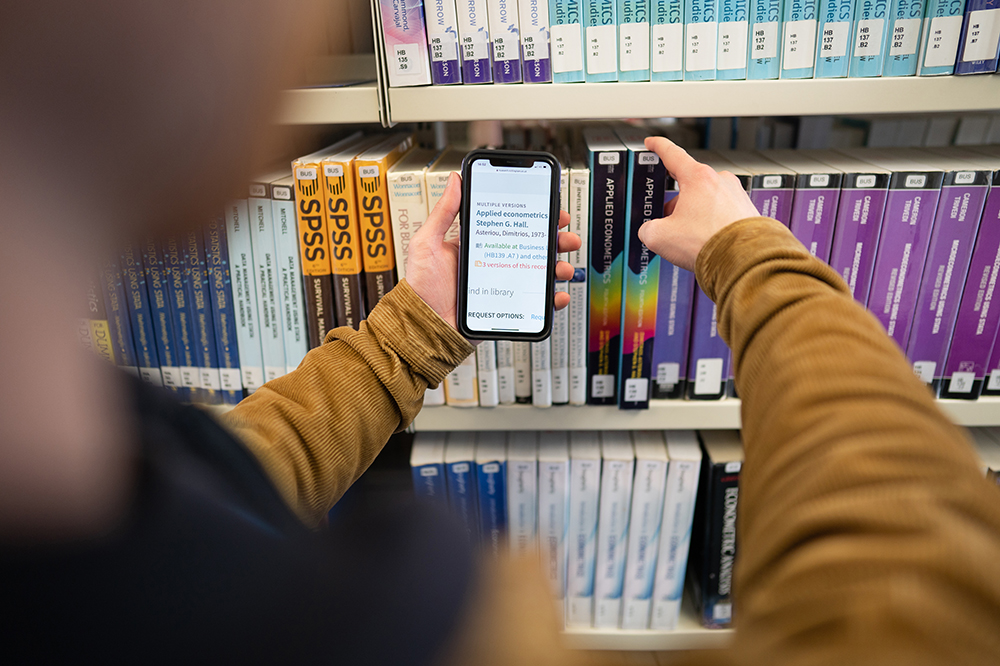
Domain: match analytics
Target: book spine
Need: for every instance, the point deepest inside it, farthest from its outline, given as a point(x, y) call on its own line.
point(832, 57)
point(541, 373)
point(293, 319)
point(871, 24)
point(442, 42)
point(463, 498)
point(765, 28)
point(159, 305)
point(647, 177)
point(207, 358)
point(858, 227)
point(560, 351)
point(612, 540)
point(980, 39)
point(505, 372)
point(734, 27)
point(119, 322)
point(486, 374)
point(407, 211)
point(991, 383)
point(906, 229)
point(315, 253)
point(579, 203)
point(700, 39)
point(814, 212)
point(600, 18)
point(268, 283)
point(942, 30)
point(673, 331)
point(607, 242)
point(522, 372)
point(429, 483)
point(346, 264)
point(976, 324)
point(667, 37)
point(434, 397)
point(405, 37)
point(491, 483)
point(477, 48)
point(244, 296)
point(176, 280)
point(460, 386)
point(675, 542)
point(566, 34)
point(506, 40)
point(708, 362)
point(904, 38)
point(534, 20)
point(959, 211)
point(633, 40)
point(585, 478)
point(137, 302)
point(553, 522)
point(716, 585)
point(220, 288)
point(100, 331)
point(774, 196)
point(522, 502)
point(376, 234)
point(798, 39)
point(643, 542)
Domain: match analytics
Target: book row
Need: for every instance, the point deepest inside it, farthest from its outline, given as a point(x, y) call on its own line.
point(612, 515)
point(540, 41)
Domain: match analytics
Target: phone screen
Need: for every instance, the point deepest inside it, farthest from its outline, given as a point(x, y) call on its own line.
point(510, 213)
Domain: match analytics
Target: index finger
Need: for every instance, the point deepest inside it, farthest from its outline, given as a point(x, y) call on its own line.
point(677, 161)
point(563, 219)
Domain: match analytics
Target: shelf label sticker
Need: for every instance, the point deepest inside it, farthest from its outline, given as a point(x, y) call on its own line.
point(708, 376)
point(636, 390)
point(668, 47)
point(865, 181)
point(700, 46)
point(475, 47)
point(819, 180)
point(151, 376)
point(634, 45)
point(602, 386)
point(800, 45)
point(983, 35)
point(504, 48)
point(904, 38)
point(231, 379)
point(734, 467)
point(733, 45)
point(305, 173)
point(835, 36)
point(994, 383)
point(189, 376)
point(942, 41)
point(171, 377)
point(253, 378)
point(601, 57)
point(925, 370)
point(961, 382)
point(333, 170)
point(461, 383)
point(668, 374)
point(370, 171)
point(722, 612)
point(765, 40)
point(210, 379)
point(535, 47)
point(868, 40)
point(444, 46)
point(405, 59)
point(567, 52)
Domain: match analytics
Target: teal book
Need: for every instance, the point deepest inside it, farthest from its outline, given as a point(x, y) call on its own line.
point(904, 38)
point(798, 39)
point(633, 40)
point(833, 58)
point(700, 39)
point(600, 19)
point(870, 27)
point(734, 28)
point(667, 57)
point(765, 35)
point(939, 40)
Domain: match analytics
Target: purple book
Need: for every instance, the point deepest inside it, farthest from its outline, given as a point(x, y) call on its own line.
point(772, 186)
point(673, 331)
point(856, 233)
point(815, 211)
point(958, 213)
point(709, 360)
point(976, 326)
point(991, 383)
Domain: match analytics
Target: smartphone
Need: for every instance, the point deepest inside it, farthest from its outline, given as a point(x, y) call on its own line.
point(510, 223)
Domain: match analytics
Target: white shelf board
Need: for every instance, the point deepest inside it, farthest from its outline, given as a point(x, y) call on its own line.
point(321, 106)
point(661, 415)
point(695, 98)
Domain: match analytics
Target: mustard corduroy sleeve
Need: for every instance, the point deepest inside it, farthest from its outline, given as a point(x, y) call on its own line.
point(317, 429)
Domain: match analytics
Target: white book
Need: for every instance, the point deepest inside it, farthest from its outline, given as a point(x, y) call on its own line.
point(434, 397)
point(268, 281)
point(486, 372)
point(559, 339)
point(584, 495)
point(522, 492)
point(286, 243)
point(579, 210)
point(553, 509)
point(505, 372)
point(438, 173)
point(617, 469)
point(644, 527)
point(407, 185)
point(675, 532)
point(541, 373)
point(244, 287)
point(460, 386)
point(522, 371)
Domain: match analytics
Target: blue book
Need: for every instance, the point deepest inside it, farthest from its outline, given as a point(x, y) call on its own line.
point(220, 287)
point(566, 38)
point(119, 321)
point(904, 37)
point(941, 33)
point(161, 314)
point(765, 36)
point(460, 471)
point(798, 38)
point(600, 18)
point(427, 468)
point(200, 307)
point(700, 39)
point(833, 59)
point(733, 32)
point(667, 35)
point(871, 25)
point(633, 40)
point(137, 299)
point(491, 484)
point(176, 278)
point(977, 53)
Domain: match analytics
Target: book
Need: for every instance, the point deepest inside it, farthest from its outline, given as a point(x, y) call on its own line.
point(243, 280)
point(765, 28)
point(442, 42)
point(404, 36)
point(617, 470)
point(286, 245)
point(667, 40)
point(584, 494)
point(798, 38)
point(522, 492)
point(554, 509)
point(700, 39)
point(220, 289)
point(904, 18)
point(461, 386)
point(980, 39)
point(643, 202)
point(863, 192)
point(137, 302)
point(438, 173)
point(676, 531)
point(606, 157)
point(97, 320)
point(491, 484)
point(644, 527)
point(600, 18)
point(566, 37)
point(377, 251)
point(460, 471)
point(559, 338)
point(175, 283)
point(942, 30)
point(407, 184)
point(200, 308)
point(486, 374)
point(522, 372)
point(579, 210)
point(991, 382)
point(772, 185)
point(534, 23)
point(505, 372)
point(871, 26)
point(541, 373)
point(262, 239)
point(633, 40)
point(119, 321)
point(477, 48)
point(713, 549)
point(732, 41)
point(505, 31)
point(427, 467)
point(833, 58)
point(673, 331)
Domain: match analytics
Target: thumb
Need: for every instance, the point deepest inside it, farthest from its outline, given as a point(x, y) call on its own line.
point(444, 213)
